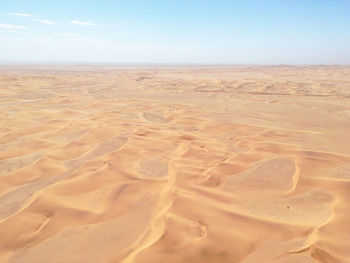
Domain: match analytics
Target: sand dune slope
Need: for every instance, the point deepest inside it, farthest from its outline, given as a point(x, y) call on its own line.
point(174, 165)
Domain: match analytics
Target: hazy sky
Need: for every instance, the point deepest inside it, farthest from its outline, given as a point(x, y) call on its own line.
point(176, 31)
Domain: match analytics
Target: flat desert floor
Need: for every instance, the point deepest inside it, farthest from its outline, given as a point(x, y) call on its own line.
point(108, 164)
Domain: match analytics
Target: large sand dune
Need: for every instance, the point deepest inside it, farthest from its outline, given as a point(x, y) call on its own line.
point(182, 164)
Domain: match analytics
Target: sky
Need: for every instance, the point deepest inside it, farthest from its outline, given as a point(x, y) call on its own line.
point(176, 31)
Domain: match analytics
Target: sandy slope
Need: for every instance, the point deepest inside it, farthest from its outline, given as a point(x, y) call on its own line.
point(174, 164)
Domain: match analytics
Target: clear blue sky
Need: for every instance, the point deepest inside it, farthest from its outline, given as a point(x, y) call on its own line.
point(176, 31)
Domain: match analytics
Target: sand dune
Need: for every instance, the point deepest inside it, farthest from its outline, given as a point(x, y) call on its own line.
point(174, 164)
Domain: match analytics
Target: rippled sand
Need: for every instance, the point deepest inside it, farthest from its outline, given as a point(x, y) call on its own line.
point(110, 164)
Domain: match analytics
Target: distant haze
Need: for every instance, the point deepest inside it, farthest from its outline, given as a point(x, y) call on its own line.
point(182, 31)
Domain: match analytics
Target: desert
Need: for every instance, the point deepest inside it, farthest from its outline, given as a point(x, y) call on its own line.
point(174, 163)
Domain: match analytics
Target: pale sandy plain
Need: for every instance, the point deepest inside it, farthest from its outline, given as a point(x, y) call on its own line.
point(115, 164)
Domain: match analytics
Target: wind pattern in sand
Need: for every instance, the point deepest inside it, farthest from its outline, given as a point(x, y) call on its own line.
point(220, 164)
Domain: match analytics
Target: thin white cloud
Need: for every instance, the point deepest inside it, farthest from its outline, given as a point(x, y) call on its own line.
point(19, 14)
point(82, 23)
point(9, 26)
point(11, 31)
point(67, 35)
point(44, 21)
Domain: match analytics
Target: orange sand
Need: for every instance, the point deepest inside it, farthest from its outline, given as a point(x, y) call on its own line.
point(183, 164)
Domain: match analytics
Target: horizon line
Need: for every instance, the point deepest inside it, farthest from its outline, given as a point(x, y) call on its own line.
point(91, 63)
